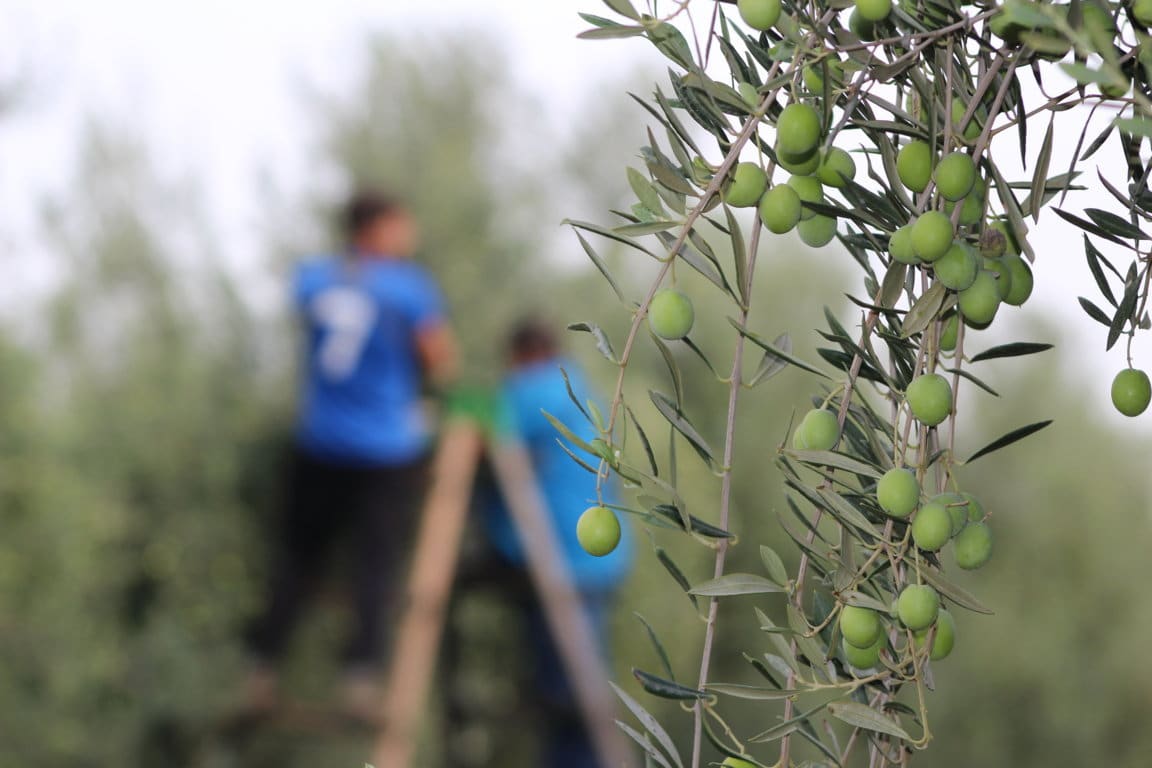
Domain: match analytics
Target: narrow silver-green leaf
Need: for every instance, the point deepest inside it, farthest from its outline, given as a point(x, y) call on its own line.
point(1137, 126)
point(600, 265)
point(671, 412)
point(643, 190)
point(893, 285)
point(861, 716)
point(739, 255)
point(1040, 171)
point(924, 311)
point(666, 689)
point(675, 572)
point(610, 33)
point(772, 364)
point(624, 8)
point(650, 723)
point(603, 344)
point(732, 584)
point(661, 653)
point(842, 509)
point(957, 595)
point(836, 461)
point(1015, 349)
point(645, 744)
point(787, 356)
point(1006, 440)
point(569, 435)
point(774, 565)
point(861, 600)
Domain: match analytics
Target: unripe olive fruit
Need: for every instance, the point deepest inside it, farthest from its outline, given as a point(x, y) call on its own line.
point(957, 268)
point(957, 508)
point(900, 246)
point(932, 526)
point(898, 492)
point(1003, 275)
point(1142, 12)
point(780, 209)
point(1098, 22)
point(817, 231)
point(980, 301)
point(759, 14)
point(864, 29)
point(749, 93)
point(993, 244)
point(918, 606)
point(930, 398)
point(598, 531)
point(809, 190)
point(817, 431)
point(860, 626)
point(973, 546)
point(814, 74)
point(944, 636)
point(1004, 228)
point(914, 165)
point(955, 175)
point(932, 235)
point(1115, 91)
point(874, 10)
point(836, 168)
point(975, 508)
point(950, 332)
point(800, 165)
point(1021, 281)
point(747, 185)
point(670, 315)
point(1005, 29)
point(1131, 391)
point(971, 207)
point(797, 129)
point(862, 658)
point(971, 130)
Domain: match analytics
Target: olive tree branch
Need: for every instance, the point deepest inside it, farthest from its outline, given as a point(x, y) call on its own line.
point(734, 388)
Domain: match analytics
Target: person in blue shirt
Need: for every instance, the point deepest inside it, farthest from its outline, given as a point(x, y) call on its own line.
point(374, 333)
point(535, 384)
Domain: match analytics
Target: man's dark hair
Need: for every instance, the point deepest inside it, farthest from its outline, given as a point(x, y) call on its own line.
point(365, 207)
point(532, 337)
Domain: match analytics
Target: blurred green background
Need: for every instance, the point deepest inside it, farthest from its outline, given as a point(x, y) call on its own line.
point(145, 412)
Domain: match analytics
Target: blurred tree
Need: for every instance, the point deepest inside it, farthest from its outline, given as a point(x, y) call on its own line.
point(435, 124)
point(139, 440)
point(129, 539)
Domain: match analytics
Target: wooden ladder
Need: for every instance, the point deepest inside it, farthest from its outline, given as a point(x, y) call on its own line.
point(430, 582)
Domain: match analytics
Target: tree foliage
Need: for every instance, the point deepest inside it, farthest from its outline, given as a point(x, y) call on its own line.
point(872, 125)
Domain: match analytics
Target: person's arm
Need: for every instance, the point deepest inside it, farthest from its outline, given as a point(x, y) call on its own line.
point(435, 343)
point(439, 354)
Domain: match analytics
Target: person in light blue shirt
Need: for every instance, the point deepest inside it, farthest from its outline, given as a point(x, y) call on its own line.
point(533, 385)
point(374, 333)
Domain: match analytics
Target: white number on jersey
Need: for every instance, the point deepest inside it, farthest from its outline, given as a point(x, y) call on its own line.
point(346, 317)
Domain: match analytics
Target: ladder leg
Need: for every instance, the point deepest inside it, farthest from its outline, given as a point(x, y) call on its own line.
point(434, 564)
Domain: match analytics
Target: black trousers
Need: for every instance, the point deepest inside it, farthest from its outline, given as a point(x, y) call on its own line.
point(375, 510)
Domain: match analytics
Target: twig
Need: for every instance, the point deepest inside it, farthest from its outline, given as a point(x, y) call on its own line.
point(734, 387)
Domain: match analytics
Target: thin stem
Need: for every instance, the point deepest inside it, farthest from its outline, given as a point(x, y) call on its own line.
point(955, 391)
point(802, 569)
point(734, 388)
point(697, 211)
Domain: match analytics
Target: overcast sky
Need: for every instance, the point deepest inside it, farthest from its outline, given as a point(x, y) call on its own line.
point(214, 87)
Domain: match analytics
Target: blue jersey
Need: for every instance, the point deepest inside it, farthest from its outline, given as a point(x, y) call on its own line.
point(567, 487)
point(361, 387)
